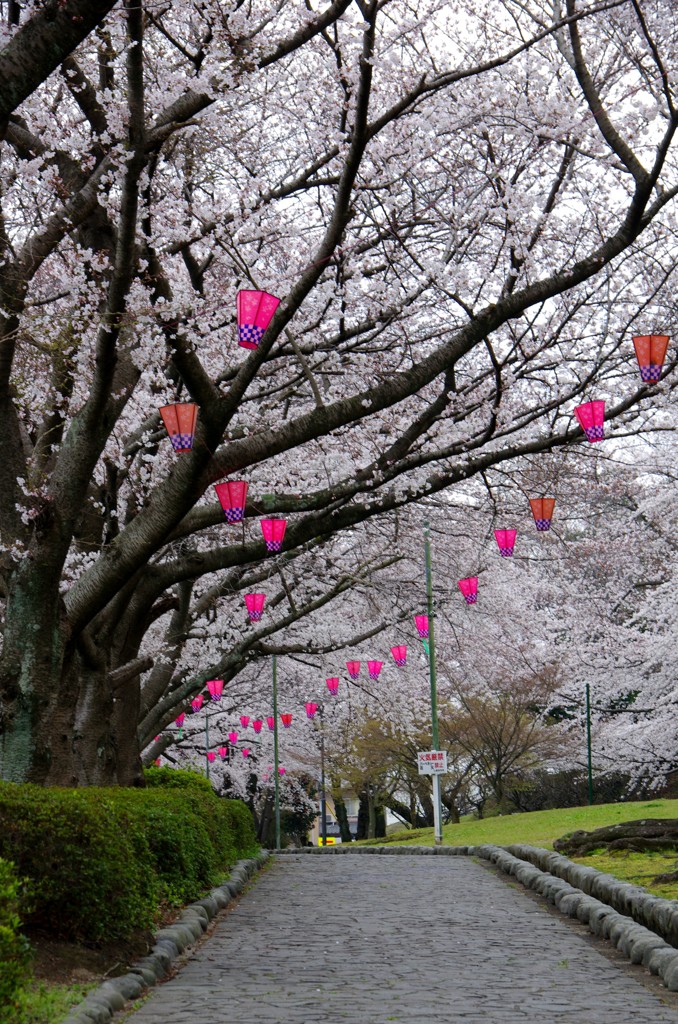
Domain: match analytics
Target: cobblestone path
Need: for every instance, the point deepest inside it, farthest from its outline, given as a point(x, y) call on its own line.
point(408, 938)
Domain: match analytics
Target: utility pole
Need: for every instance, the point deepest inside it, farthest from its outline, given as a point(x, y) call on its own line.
point(437, 806)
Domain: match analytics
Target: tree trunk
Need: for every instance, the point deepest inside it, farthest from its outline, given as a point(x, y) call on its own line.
point(342, 820)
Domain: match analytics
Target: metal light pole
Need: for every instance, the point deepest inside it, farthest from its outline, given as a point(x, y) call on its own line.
point(323, 798)
point(437, 807)
point(588, 741)
point(276, 773)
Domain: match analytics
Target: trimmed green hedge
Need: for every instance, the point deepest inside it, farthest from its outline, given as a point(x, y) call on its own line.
point(13, 945)
point(100, 862)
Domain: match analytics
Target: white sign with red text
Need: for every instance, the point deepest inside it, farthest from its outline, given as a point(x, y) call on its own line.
point(432, 762)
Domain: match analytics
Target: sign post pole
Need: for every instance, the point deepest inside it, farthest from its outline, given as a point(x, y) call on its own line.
point(437, 809)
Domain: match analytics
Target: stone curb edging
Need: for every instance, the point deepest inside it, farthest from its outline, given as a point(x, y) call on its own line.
point(100, 1005)
point(632, 919)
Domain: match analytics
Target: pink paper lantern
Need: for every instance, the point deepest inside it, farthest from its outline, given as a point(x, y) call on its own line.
point(374, 668)
point(274, 532)
point(179, 720)
point(196, 703)
point(179, 422)
point(244, 721)
point(651, 353)
point(223, 753)
point(469, 588)
point(233, 737)
point(506, 542)
point(400, 655)
point(257, 725)
point(210, 756)
point(353, 669)
point(232, 497)
point(246, 751)
point(421, 622)
point(255, 605)
point(216, 688)
point(255, 312)
point(311, 709)
point(286, 720)
point(591, 417)
point(542, 511)
point(270, 722)
point(333, 686)
point(281, 770)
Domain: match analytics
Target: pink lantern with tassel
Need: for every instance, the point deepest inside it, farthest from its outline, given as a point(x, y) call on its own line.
point(651, 353)
point(353, 669)
point(286, 720)
point(591, 417)
point(211, 756)
point(232, 497)
point(506, 542)
point(333, 686)
point(274, 532)
point(196, 703)
point(270, 722)
point(421, 622)
point(255, 312)
point(255, 606)
point(223, 753)
point(374, 668)
point(400, 655)
point(179, 422)
point(216, 688)
point(257, 725)
point(244, 721)
point(469, 588)
point(233, 737)
point(311, 709)
point(542, 511)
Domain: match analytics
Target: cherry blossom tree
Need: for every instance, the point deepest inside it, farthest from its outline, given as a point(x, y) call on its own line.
point(466, 213)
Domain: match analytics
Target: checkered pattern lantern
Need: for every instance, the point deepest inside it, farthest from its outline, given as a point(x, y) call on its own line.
point(273, 531)
point(179, 720)
point(255, 605)
point(211, 756)
point(374, 668)
point(196, 703)
point(591, 417)
point(258, 725)
point(400, 655)
point(506, 542)
point(233, 737)
point(542, 510)
point(223, 753)
point(216, 688)
point(353, 669)
point(311, 709)
point(286, 720)
point(179, 422)
point(333, 686)
point(421, 622)
point(244, 721)
point(270, 722)
point(469, 588)
point(650, 353)
point(232, 495)
point(255, 312)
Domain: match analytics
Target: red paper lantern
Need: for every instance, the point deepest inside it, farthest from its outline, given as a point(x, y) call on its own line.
point(333, 686)
point(286, 720)
point(255, 312)
point(273, 531)
point(233, 737)
point(216, 688)
point(244, 721)
point(257, 725)
point(223, 753)
point(179, 422)
point(232, 496)
point(210, 756)
point(270, 722)
point(506, 542)
point(400, 655)
point(196, 703)
point(469, 588)
point(650, 353)
point(542, 510)
point(591, 417)
point(255, 605)
point(421, 622)
point(179, 720)
point(311, 709)
point(374, 668)
point(353, 668)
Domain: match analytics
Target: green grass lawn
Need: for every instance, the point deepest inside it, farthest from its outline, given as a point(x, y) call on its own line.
point(540, 828)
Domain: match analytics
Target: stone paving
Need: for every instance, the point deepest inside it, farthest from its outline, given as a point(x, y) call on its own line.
point(407, 938)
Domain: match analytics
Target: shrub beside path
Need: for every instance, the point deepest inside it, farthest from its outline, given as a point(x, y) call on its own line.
point(399, 938)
